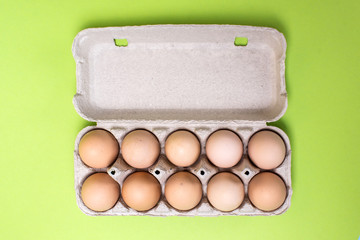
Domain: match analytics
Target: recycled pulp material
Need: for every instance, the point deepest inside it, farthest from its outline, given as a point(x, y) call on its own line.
point(173, 77)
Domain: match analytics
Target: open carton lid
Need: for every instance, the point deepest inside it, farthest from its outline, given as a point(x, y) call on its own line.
point(180, 72)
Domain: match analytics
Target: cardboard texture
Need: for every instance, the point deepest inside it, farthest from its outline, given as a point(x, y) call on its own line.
point(171, 77)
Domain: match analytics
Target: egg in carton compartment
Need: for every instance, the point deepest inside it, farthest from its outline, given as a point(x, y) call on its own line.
point(171, 77)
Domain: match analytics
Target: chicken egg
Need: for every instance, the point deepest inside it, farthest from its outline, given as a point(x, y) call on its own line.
point(225, 191)
point(98, 148)
point(141, 191)
point(140, 148)
point(266, 149)
point(224, 148)
point(182, 148)
point(100, 192)
point(183, 191)
point(267, 191)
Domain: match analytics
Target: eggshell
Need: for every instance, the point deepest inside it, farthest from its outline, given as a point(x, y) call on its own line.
point(140, 148)
point(141, 191)
point(183, 191)
point(98, 148)
point(182, 148)
point(224, 148)
point(225, 191)
point(267, 191)
point(266, 149)
point(100, 192)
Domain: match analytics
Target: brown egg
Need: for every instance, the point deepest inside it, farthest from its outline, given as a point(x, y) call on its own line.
point(100, 192)
point(183, 191)
point(266, 149)
point(140, 148)
point(141, 191)
point(224, 148)
point(98, 148)
point(225, 191)
point(182, 148)
point(267, 191)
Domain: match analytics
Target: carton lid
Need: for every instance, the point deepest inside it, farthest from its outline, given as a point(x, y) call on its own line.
point(180, 72)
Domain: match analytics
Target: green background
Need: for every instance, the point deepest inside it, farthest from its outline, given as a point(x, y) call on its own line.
point(39, 123)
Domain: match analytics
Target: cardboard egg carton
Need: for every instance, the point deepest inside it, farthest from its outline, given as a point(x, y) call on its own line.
point(169, 77)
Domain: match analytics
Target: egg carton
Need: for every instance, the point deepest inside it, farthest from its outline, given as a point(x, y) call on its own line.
point(169, 77)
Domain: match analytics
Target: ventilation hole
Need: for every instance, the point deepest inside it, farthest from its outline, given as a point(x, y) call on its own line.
point(121, 42)
point(241, 41)
point(247, 173)
point(157, 172)
point(202, 172)
point(112, 172)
